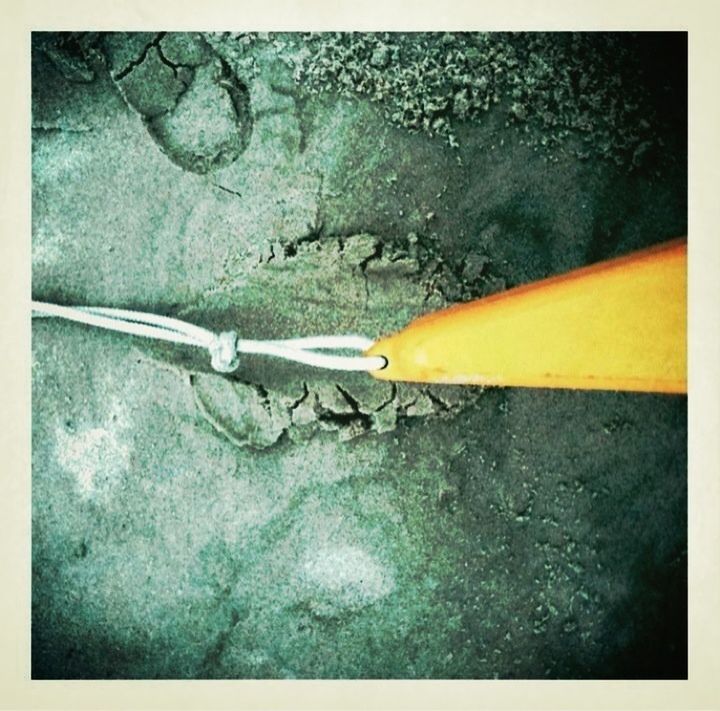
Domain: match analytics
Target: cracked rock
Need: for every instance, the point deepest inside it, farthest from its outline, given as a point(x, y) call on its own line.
point(423, 405)
point(206, 129)
point(250, 416)
point(241, 412)
point(385, 419)
point(358, 249)
point(124, 49)
point(305, 413)
point(371, 395)
point(372, 282)
point(195, 108)
point(332, 399)
point(184, 49)
point(152, 87)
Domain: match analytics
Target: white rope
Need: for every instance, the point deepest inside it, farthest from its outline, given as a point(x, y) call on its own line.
point(224, 347)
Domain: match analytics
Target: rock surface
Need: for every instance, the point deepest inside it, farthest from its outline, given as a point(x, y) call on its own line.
point(284, 522)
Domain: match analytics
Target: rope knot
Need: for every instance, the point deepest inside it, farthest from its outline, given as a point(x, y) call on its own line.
point(224, 356)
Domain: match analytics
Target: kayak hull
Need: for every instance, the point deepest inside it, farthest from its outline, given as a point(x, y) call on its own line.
point(615, 325)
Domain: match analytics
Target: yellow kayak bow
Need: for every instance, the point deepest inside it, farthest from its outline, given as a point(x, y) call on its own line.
point(615, 325)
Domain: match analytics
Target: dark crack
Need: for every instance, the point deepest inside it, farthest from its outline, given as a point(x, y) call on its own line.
point(362, 267)
point(184, 77)
point(390, 400)
point(351, 423)
point(442, 405)
point(140, 59)
point(314, 234)
point(306, 392)
point(175, 105)
point(240, 99)
point(348, 424)
point(349, 399)
point(261, 417)
point(227, 190)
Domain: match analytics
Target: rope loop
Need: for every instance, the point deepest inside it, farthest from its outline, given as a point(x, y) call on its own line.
point(224, 348)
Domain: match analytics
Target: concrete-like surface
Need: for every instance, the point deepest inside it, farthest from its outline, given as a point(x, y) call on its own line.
point(284, 522)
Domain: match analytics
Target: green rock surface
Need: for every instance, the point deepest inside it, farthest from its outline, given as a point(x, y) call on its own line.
point(284, 522)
